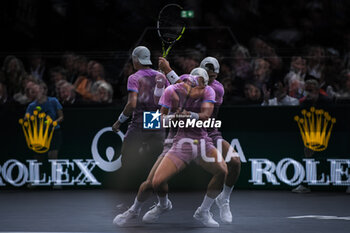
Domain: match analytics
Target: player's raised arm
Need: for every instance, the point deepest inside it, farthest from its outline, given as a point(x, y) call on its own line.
point(164, 66)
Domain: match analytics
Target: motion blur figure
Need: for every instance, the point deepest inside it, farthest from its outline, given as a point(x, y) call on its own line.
point(212, 66)
point(140, 146)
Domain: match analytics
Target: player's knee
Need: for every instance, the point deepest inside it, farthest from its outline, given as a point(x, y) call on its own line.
point(222, 171)
point(234, 163)
point(156, 183)
point(147, 184)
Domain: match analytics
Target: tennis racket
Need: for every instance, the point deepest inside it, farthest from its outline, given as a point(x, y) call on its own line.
point(170, 26)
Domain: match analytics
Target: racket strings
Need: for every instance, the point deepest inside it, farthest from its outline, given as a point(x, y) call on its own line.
point(170, 23)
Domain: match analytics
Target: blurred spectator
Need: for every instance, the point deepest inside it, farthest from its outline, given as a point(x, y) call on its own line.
point(56, 74)
point(188, 62)
point(241, 66)
point(83, 84)
point(257, 47)
point(226, 71)
point(280, 96)
point(68, 63)
point(343, 95)
point(81, 66)
point(298, 66)
point(295, 84)
point(28, 91)
point(12, 74)
point(252, 94)
point(37, 67)
point(103, 92)
point(313, 95)
point(120, 89)
point(229, 91)
point(90, 66)
point(3, 94)
point(67, 95)
point(333, 67)
point(261, 71)
point(315, 61)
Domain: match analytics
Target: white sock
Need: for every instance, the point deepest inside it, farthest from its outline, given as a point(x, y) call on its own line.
point(163, 201)
point(226, 192)
point(207, 203)
point(137, 205)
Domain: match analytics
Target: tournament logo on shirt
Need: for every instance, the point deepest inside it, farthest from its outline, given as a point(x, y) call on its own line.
point(151, 120)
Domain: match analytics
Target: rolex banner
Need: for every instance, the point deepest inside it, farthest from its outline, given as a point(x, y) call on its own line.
point(279, 148)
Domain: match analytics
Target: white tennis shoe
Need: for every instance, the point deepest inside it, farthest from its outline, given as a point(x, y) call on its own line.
point(153, 215)
point(224, 208)
point(205, 217)
point(124, 218)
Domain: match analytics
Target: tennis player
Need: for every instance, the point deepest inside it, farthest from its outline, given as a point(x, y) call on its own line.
point(140, 146)
point(200, 100)
point(211, 65)
point(146, 189)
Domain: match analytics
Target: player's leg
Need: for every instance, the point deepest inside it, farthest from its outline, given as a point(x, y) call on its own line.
point(134, 169)
point(143, 194)
point(234, 169)
point(168, 167)
point(218, 169)
point(308, 153)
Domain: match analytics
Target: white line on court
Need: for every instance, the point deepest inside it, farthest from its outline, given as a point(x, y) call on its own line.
point(323, 217)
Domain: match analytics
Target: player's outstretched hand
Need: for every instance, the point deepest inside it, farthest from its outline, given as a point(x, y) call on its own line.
point(163, 65)
point(116, 126)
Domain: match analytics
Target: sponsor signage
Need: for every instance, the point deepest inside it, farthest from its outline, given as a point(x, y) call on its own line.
point(272, 154)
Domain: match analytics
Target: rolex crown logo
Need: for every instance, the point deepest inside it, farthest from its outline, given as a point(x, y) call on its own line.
point(315, 128)
point(38, 130)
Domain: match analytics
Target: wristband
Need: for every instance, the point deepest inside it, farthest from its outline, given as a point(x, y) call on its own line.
point(158, 91)
point(122, 118)
point(172, 77)
point(194, 115)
